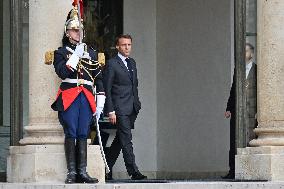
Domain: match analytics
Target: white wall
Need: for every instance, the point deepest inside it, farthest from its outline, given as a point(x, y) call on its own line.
point(193, 82)
point(140, 22)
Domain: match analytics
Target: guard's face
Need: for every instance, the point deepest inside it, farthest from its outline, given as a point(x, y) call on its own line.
point(249, 53)
point(124, 46)
point(74, 34)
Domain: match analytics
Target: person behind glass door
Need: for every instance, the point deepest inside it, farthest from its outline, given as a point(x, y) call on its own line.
point(250, 110)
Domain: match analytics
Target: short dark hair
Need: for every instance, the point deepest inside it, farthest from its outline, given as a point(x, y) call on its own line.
point(126, 36)
point(250, 46)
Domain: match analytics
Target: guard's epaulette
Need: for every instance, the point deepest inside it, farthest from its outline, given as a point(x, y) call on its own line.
point(49, 57)
point(101, 59)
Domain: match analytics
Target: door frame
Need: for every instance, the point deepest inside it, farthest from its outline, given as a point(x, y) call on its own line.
point(19, 11)
point(239, 41)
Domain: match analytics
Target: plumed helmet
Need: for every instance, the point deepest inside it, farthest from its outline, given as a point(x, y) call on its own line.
point(72, 21)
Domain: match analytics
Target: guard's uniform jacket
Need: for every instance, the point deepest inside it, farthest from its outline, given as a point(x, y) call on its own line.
point(68, 92)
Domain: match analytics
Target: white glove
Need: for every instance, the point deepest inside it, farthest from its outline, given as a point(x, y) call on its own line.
point(73, 61)
point(100, 105)
point(77, 54)
point(86, 56)
point(80, 49)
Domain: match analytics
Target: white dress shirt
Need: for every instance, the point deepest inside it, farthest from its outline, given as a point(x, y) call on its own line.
point(248, 67)
point(123, 59)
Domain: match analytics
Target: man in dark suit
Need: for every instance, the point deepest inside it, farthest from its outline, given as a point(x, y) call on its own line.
point(251, 101)
point(122, 104)
point(251, 93)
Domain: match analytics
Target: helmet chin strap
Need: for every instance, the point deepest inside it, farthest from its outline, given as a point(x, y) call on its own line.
point(73, 41)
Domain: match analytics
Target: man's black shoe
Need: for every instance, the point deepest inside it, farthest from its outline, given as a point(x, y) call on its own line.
point(230, 175)
point(138, 176)
point(109, 176)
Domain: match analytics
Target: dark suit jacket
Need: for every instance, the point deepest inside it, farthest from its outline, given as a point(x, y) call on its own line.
point(231, 104)
point(250, 92)
point(121, 91)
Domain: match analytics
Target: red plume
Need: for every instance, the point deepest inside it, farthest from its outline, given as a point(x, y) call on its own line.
point(75, 3)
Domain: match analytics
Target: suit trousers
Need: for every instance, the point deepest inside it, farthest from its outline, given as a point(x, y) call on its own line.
point(232, 151)
point(252, 123)
point(123, 141)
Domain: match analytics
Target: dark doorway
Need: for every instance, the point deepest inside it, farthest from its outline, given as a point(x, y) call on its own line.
point(103, 21)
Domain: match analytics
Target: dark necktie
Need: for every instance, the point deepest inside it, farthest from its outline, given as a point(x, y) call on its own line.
point(129, 66)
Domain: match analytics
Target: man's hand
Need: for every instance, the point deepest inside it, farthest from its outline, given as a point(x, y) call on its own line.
point(80, 49)
point(227, 114)
point(112, 118)
point(75, 57)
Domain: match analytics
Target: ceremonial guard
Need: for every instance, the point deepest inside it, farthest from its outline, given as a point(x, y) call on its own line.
point(80, 96)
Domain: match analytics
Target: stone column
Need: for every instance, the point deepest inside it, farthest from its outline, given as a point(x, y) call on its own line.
point(40, 159)
point(46, 27)
point(264, 160)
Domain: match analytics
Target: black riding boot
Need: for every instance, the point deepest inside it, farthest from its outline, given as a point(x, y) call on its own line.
point(69, 146)
point(83, 176)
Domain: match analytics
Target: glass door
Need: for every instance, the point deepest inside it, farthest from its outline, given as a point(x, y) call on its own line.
point(251, 69)
point(245, 35)
point(14, 85)
point(5, 85)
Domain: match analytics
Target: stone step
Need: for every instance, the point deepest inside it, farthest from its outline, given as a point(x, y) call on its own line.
point(46, 163)
point(171, 185)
